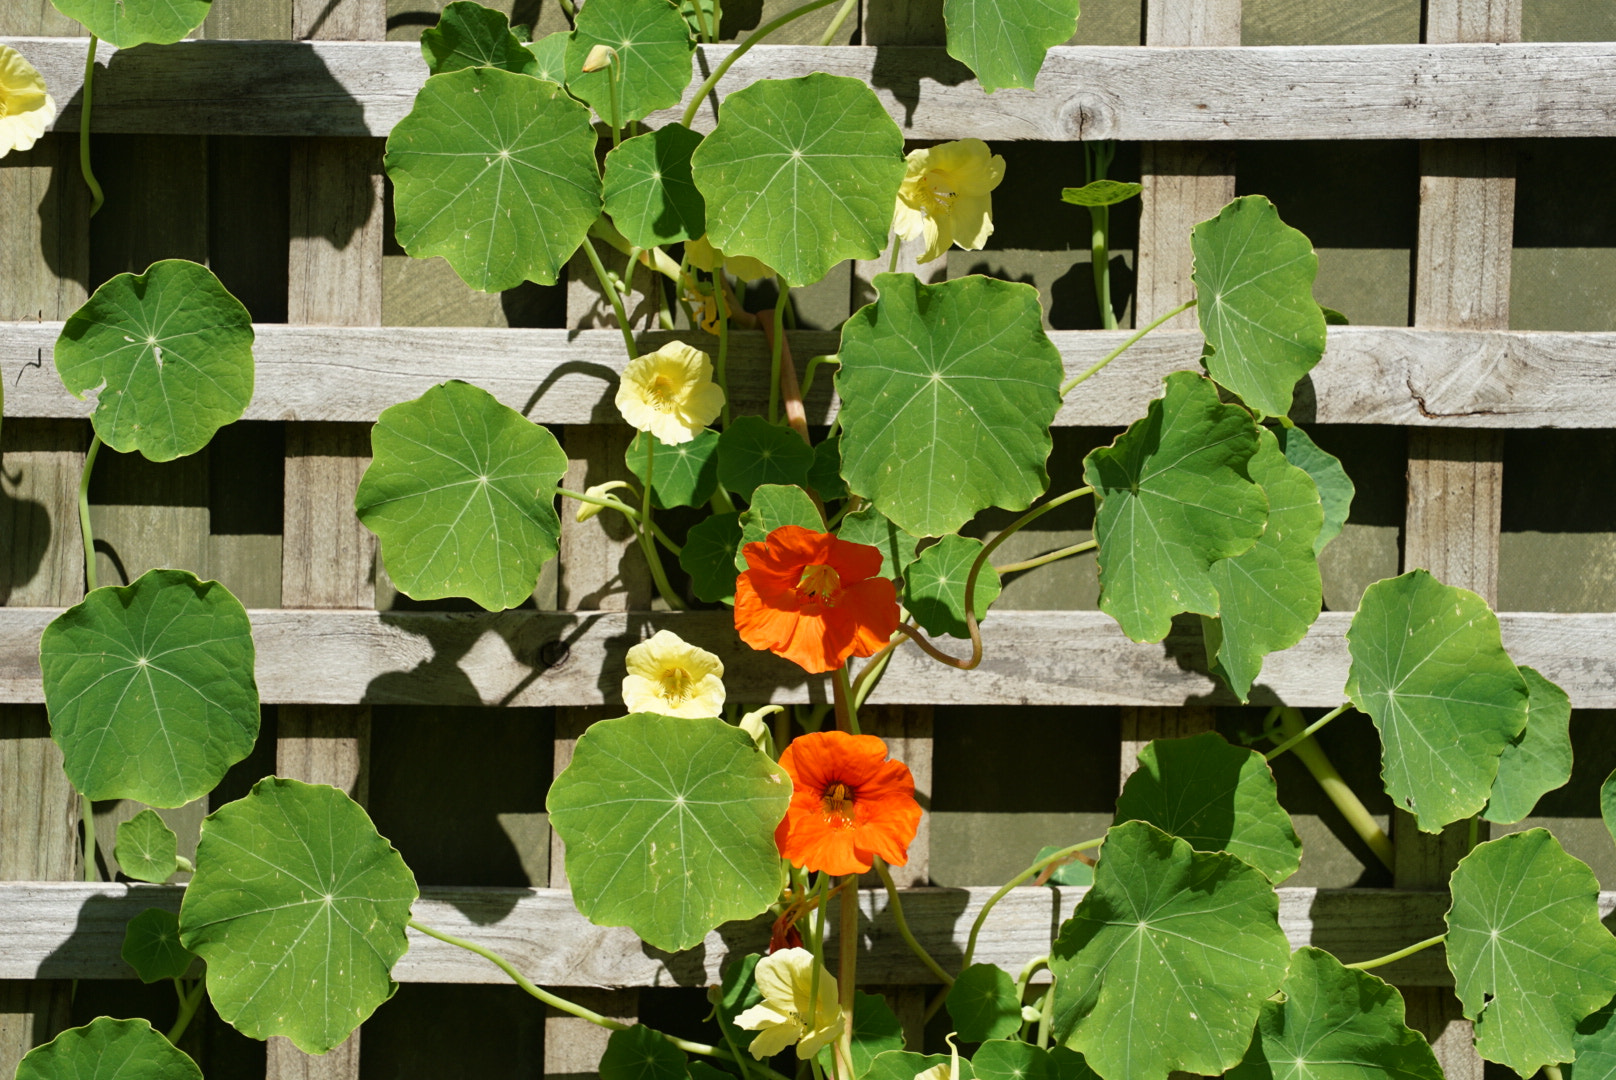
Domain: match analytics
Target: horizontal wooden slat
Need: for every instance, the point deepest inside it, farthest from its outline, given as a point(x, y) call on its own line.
point(569, 658)
point(1301, 92)
point(1370, 375)
point(74, 931)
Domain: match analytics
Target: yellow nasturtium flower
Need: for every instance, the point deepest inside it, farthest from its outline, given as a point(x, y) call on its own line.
point(670, 393)
point(947, 196)
point(786, 980)
point(703, 256)
point(26, 110)
point(668, 675)
point(588, 510)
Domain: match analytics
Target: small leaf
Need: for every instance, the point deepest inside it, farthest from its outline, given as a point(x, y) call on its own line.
point(108, 1049)
point(151, 945)
point(934, 587)
point(1332, 317)
point(1526, 948)
point(640, 1053)
point(774, 506)
point(1074, 874)
point(983, 1004)
point(870, 526)
point(170, 351)
point(825, 475)
point(1216, 797)
point(876, 1030)
point(298, 906)
point(902, 1065)
point(1101, 193)
point(126, 23)
point(550, 57)
point(709, 557)
point(1429, 668)
point(753, 452)
point(1335, 486)
point(653, 47)
point(736, 993)
point(1002, 1059)
point(669, 826)
point(649, 192)
point(1539, 760)
point(150, 688)
point(682, 475)
point(470, 35)
point(147, 848)
point(461, 495)
point(1004, 41)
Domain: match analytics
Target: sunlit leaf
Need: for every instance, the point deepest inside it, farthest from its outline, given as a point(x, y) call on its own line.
point(653, 46)
point(709, 556)
point(870, 526)
point(127, 23)
point(470, 35)
point(876, 1030)
point(1595, 1047)
point(550, 57)
point(151, 945)
point(682, 475)
point(753, 452)
point(1539, 760)
point(775, 505)
point(147, 848)
point(1004, 41)
point(1335, 486)
point(1101, 193)
point(934, 587)
point(108, 1049)
point(983, 1004)
point(1007, 1059)
point(649, 192)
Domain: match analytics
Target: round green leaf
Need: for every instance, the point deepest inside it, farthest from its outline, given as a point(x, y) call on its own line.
point(147, 849)
point(947, 395)
point(127, 23)
point(1270, 594)
point(1101, 193)
point(934, 586)
point(150, 688)
point(1429, 668)
point(298, 906)
point(461, 495)
point(495, 172)
point(469, 35)
point(1254, 292)
point(550, 57)
point(1335, 486)
point(1528, 954)
point(709, 557)
point(1174, 497)
point(151, 945)
point(669, 826)
point(983, 1004)
point(802, 174)
point(108, 1049)
point(170, 351)
point(876, 1030)
point(1595, 1046)
point(653, 47)
point(1004, 1059)
point(683, 475)
point(870, 526)
point(649, 192)
point(1004, 41)
point(641, 1053)
point(753, 452)
point(1176, 947)
point(1334, 1023)
point(1539, 759)
point(773, 506)
point(1216, 797)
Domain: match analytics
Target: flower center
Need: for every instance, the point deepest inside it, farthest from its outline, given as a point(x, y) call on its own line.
point(676, 685)
point(820, 583)
point(938, 189)
point(661, 392)
point(838, 800)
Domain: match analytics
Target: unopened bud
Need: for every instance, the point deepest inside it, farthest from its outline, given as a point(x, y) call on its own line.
point(599, 57)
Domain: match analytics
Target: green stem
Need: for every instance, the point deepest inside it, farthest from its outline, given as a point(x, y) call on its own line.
point(1389, 958)
point(1026, 875)
point(1047, 1021)
point(86, 532)
point(816, 946)
point(647, 545)
point(612, 70)
point(87, 816)
point(704, 32)
point(721, 367)
point(835, 26)
point(96, 198)
point(813, 369)
point(908, 936)
point(1551, 1072)
point(775, 351)
point(741, 50)
point(1293, 738)
point(897, 248)
point(846, 714)
point(188, 1006)
point(610, 290)
point(1300, 741)
point(1043, 560)
point(626, 510)
point(572, 14)
point(847, 942)
point(1027, 973)
point(1097, 158)
point(1066, 387)
point(871, 674)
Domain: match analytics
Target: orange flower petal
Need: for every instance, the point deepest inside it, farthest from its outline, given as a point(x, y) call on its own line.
point(885, 814)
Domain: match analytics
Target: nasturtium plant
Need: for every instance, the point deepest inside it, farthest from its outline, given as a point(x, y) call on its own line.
point(903, 1065)
point(460, 495)
point(147, 849)
point(652, 65)
point(170, 354)
point(947, 394)
point(1101, 193)
point(1539, 760)
point(669, 826)
point(709, 555)
point(801, 173)
point(150, 688)
point(108, 1049)
point(298, 906)
point(1595, 1047)
point(1429, 668)
point(774, 506)
point(125, 23)
point(753, 452)
point(1335, 486)
point(639, 1053)
point(1004, 41)
point(983, 1003)
point(649, 191)
point(934, 586)
point(470, 35)
point(1007, 1059)
point(550, 57)
point(876, 1030)
point(151, 945)
point(495, 172)
point(682, 475)
point(870, 526)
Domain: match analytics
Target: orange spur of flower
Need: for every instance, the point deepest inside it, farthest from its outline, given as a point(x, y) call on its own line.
point(814, 599)
point(848, 804)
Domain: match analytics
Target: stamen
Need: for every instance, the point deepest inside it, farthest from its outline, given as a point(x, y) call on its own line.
point(676, 685)
point(820, 582)
point(838, 800)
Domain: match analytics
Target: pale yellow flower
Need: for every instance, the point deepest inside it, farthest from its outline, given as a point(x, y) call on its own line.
point(753, 724)
point(703, 256)
point(668, 675)
point(26, 110)
point(790, 1013)
point(670, 393)
point(588, 510)
point(947, 196)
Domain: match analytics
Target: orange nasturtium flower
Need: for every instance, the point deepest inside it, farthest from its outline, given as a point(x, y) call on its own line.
point(848, 803)
point(814, 599)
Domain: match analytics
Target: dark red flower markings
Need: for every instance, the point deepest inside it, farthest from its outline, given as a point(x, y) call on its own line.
point(849, 803)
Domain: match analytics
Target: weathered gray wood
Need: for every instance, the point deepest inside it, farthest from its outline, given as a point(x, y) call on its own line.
point(1218, 94)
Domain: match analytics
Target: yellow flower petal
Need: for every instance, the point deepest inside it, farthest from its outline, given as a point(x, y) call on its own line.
point(669, 676)
point(790, 1013)
point(670, 393)
point(945, 196)
point(599, 491)
point(26, 109)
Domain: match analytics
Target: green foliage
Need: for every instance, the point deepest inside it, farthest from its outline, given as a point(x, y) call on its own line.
point(709, 556)
point(1539, 760)
point(983, 1004)
point(1074, 874)
point(127, 23)
point(1595, 1047)
point(1429, 668)
point(947, 395)
point(150, 688)
point(639, 1053)
point(825, 476)
point(470, 35)
point(151, 945)
point(876, 1031)
point(108, 1049)
point(902, 1065)
point(1335, 486)
point(550, 57)
point(934, 586)
point(1002, 1059)
point(461, 495)
point(649, 191)
point(774, 506)
point(652, 66)
point(870, 526)
point(298, 906)
point(1101, 193)
point(682, 475)
point(753, 452)
point(170, 351)
point(1004, 41)
point(147, 848)
point(669, 826)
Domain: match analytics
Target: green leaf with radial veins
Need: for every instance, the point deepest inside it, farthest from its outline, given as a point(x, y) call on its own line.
point(653, 45)
point(1216, 797)
point(470, 35)
point(773, 506)
point(802, 174)
point(1335, 486)
point(876, 1030)
point(147, 849)
point(1334, 1023)
point(1176, 947)
point(683, 475)
point(753, 453)
point(1595, 1046)
point(1175, 496)
point(298, 906)
point(1526, 948)
point(108, 1049)
point(641, 1053)
point(825, 477)
point(709, 557)
point(127, 23)
point(649, 192)
point(1269, 595)
point(669, 826)
point(151, 945)
point(1009, 1059)
point(150, 688)
point(1539, 760)
point(461, 494)
point(495, 172)
point(550, 56)
point(1428, 667)
point(1254, 292)
point(170, 351)
point(1004, 41)
point(869, 526)
point(983, 1004)
point(1101, 193)
point(947, 395)
point(934, 587)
